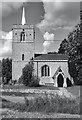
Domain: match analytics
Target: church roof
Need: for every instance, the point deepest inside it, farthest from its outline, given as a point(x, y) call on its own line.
point(52, 57)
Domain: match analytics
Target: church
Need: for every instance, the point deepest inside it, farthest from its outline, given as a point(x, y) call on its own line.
point(52, 69)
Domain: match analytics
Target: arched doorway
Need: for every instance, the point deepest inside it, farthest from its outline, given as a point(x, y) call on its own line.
point(60, 80)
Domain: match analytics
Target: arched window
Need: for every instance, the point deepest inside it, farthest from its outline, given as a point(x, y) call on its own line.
point(22, 56)
point(45, 70)
point(22, 36)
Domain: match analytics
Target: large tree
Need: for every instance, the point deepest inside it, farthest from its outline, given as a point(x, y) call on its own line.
point(0, 69)
point(63, 47)
point(6, 70)
point(28, 78)
point(73, 47)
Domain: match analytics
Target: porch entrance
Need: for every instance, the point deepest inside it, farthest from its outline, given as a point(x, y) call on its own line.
point(60, 80)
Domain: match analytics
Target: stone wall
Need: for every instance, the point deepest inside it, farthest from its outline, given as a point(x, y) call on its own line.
point(62, 92)
point(20, 48)
point(53, 68)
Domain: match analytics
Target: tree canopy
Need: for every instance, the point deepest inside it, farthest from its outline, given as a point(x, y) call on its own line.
point(6, 70)
point(28, 78)
point(72, 46)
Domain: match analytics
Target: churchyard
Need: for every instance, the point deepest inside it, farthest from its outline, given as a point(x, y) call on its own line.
point(21, 94)
point(26, 98)
point(43, 102)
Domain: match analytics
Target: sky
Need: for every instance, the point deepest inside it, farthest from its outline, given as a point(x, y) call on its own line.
point(52, 22)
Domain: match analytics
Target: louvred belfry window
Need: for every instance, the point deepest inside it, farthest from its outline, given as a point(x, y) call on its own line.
point(22, 36)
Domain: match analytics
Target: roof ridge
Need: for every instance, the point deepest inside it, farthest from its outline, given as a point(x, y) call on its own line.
point(52, 57)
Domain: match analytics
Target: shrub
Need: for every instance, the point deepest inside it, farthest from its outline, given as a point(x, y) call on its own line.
point(15, 106)
point(28, 78)
point(6, 70)
point(27, 74)
point(20, 81)
point(79, 82)
point(50, 103)
point(34, 82)
point(69, 83)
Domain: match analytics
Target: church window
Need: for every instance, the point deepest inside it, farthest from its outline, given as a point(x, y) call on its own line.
point(30, 34)
point(34, 34)
point(60, 70)
point(22, 56)
point(45, 70)
point(15, 33)
point(22, 36)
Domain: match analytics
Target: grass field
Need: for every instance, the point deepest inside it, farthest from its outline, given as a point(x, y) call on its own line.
point(61, 118)
point(34, 106)
point(21, 86)
point(75, 90)
point(45, 103)
point(42, 106)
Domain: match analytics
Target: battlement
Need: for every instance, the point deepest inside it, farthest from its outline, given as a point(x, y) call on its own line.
point(20, 26)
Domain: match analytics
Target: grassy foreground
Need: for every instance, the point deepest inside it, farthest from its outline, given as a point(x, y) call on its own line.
point(47, 103)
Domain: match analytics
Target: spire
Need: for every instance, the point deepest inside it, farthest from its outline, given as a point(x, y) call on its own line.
point(23, 16)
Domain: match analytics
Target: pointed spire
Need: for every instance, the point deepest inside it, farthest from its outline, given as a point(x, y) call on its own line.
point(23, 16)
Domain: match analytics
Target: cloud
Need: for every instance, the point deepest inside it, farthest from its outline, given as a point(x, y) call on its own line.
point(59, 15)
point(6, 44)
point(49, 38)
point(10, 6)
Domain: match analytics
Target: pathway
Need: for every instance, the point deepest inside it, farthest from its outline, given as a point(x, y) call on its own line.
point(15, 99)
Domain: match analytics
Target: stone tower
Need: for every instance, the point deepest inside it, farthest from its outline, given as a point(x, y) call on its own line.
point(22, 46)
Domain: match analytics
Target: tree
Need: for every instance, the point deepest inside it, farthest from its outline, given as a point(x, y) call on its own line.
point(27, 74)
point(63, 47)
point(6, 70)
point(28, 78)
point(0, 72)
point(0, 69)
point(72, 70)
point(73, 48)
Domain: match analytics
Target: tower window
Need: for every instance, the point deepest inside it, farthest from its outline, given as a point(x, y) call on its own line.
point(22, 36)
point(30, 34)
point(22, 56)
point(15, 33)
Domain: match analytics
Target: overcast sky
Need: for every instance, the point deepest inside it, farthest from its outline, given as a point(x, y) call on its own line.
point(52, 21)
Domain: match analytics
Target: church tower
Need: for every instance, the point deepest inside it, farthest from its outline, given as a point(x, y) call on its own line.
point(22, 46)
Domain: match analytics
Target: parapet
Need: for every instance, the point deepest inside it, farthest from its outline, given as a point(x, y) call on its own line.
point(20, 26)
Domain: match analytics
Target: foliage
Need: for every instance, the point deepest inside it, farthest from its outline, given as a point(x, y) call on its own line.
point(34, 82)
point(28, 78)
point(27, 74)
point(0, 69)
point(63, 47)
point(0, 72)
point(73, 48)
point(12, 105)
point(72, 70)
point(69, 84)
point(20, 80)
point(46, 104)
point(6, 70)
point(50, 103)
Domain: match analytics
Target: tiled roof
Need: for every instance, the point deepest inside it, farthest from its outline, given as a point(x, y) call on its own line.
point(51, 57)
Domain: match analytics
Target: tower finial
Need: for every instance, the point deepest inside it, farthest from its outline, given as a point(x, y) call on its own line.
point(23, 15)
